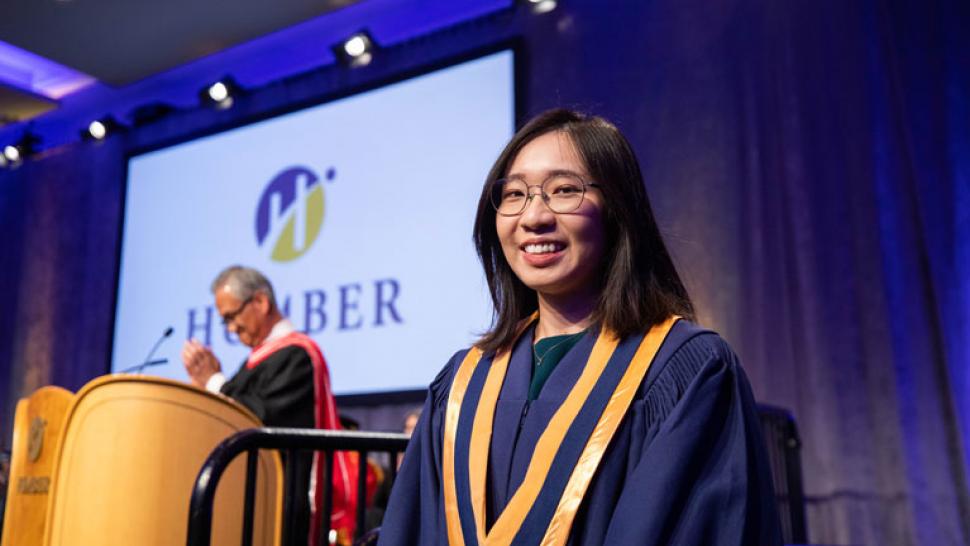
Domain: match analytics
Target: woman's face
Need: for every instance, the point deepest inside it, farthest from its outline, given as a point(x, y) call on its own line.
point(556, 255)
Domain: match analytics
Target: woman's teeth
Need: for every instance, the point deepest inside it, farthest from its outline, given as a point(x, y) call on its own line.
point(542, 248)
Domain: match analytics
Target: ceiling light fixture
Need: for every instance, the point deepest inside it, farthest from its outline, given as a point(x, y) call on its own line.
point(221, 94)
point(357, 50)
point(97, 130)
point(542, 6)
point(218, 92)
point(11, 153)
point(100, 129)
point(149, 113)
point(16, 153)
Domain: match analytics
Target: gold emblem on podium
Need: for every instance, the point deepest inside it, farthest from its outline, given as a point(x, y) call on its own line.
point(35, 440)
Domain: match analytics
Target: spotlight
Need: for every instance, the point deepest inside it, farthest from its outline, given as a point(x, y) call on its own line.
point(11, 153)
point(221, 94)
point(357, 50)
point(356, 46)
point(99, 129)
point(23, 148)
point(541, 6)
point(218, 92)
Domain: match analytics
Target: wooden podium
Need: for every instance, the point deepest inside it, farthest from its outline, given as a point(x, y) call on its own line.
point(38, 424)
point(127, 460)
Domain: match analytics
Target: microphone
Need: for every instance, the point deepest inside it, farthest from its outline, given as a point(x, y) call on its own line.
point(148, 362)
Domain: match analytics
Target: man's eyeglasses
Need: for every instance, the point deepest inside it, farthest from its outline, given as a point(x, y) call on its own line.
point(229, 317)
point(561, 192)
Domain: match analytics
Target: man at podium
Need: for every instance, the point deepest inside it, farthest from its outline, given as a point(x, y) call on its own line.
point(285, 382)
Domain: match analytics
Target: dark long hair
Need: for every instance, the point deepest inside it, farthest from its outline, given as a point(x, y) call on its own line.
point(639, 285)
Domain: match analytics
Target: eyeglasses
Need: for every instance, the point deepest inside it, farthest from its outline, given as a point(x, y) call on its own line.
point(230, 317)
point(561, 192)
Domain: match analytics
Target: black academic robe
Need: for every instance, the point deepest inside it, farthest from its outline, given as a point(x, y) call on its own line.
point(687, 465)
point(280, 392)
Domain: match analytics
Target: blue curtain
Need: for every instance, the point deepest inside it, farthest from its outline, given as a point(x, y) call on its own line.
point(60, 221)
point(809, 163)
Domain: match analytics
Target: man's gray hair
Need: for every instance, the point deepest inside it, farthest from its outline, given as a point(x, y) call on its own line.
point(243, 282)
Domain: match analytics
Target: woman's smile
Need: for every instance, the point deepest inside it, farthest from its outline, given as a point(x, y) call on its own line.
point(553, 254)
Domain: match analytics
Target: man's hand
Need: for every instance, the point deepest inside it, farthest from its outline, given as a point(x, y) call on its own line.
point(199, 362)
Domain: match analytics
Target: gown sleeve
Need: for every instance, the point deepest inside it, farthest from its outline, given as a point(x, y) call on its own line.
point(702, 477)
point(415, 512)
point(281, 394)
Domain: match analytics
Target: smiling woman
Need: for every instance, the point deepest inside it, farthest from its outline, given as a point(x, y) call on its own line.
point(593, 411)
point(620, 272)
point(554, 245)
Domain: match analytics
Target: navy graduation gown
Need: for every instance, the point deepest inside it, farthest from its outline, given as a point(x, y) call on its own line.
point(686, 466)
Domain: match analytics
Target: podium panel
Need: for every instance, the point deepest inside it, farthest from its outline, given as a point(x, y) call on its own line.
point(131, 450)
point(38, 423)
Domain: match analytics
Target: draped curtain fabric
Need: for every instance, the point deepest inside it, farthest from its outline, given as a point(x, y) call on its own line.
point(847, 220)
point(809, 163)
point(59, 223)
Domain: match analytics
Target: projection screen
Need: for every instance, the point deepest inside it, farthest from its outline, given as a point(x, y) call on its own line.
point(359, 211)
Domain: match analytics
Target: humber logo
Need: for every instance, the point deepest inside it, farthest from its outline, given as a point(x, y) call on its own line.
point(290, 213)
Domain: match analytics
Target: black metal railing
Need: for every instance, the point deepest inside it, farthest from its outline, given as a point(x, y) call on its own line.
point(784, 459)
point(289, 441)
